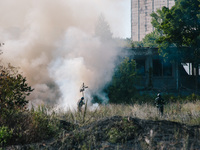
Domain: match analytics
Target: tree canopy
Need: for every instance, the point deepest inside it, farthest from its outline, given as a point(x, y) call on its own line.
point(179, 26)
point(150, 39)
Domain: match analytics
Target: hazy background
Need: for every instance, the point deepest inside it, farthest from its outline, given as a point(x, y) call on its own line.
point(54, 45)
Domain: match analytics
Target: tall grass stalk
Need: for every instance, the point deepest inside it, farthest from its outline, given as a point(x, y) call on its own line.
point(188, 113)
point(43, 122)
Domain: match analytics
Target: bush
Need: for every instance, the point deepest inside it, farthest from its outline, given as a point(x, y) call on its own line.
point(13, 90)
point(5, 135)
point(43, 125)
point(193, 97)
point(122, 89)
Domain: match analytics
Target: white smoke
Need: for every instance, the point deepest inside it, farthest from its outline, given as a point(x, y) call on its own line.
point(53, 43)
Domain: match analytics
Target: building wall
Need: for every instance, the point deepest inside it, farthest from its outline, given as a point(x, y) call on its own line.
point(140, 16)
point(157, 73)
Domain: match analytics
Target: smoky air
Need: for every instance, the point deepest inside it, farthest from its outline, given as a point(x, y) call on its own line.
point(55, 46)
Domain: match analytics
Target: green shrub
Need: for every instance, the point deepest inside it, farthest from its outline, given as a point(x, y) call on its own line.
point(13, 90)
point(5, 135)
point(122, 89)
point(44, 125)
point(193, 97)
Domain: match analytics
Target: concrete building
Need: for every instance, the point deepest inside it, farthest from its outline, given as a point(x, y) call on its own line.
point(159, 74)
point(140, 16)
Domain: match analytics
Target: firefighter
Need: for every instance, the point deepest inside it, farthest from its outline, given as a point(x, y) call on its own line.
point(80, 104)
point(159, 101)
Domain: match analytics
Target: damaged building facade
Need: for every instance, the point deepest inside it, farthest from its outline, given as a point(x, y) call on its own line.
point(157, 73)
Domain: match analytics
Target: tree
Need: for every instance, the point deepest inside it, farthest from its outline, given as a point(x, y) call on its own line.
point(157, 18)
point(122, 89)
point(138, 44)
point(102, 29)
point(150, 39)
point(180, 26)
point(13, 89)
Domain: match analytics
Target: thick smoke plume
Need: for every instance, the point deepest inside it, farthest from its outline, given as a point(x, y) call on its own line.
point(53, 43)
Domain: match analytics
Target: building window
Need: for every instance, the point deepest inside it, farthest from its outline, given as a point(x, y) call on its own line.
point(140, 65)
point(157, 68)
point(161, 68)
point(145, 28)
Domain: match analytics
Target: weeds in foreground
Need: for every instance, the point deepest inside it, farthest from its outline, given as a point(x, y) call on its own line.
point(44, 123)
point(187, 113)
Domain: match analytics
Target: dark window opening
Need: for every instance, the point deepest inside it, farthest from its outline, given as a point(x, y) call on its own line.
point(157, 68)
point(140, 65)
point(161, 68)
point(145, 28)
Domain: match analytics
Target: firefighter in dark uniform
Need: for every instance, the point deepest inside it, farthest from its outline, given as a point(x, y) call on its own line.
point(159, 101)
point(80, 104)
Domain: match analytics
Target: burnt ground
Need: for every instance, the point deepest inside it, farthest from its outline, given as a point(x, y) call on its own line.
point(123, 133)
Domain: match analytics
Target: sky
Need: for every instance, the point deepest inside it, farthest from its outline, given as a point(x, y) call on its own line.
point(125, 31)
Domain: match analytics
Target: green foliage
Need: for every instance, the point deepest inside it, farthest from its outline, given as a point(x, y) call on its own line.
point(193, 97)
point(138, 44)
point(5, 135)
point(30, 126)
point(129, 42)
point(13, 90)
point(150, 39)
point(122, 131)
point(179, 26)
point(157, 18)
point(44, 125)
point(122, 87)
